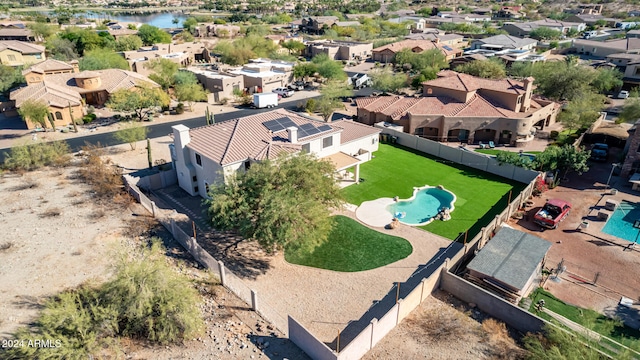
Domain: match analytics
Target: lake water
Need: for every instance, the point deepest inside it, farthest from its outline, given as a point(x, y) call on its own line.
point(161, 20)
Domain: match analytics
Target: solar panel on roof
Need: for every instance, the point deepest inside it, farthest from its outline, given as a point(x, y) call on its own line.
point(307, 126)
point(324, 128)
point(273, 125)
point(313, 131)
point(446, 47)
point(302, 134)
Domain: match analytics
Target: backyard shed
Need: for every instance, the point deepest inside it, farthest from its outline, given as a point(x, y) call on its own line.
point(509, 264)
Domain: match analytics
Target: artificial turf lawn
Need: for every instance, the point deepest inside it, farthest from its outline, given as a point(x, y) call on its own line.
point(395, 171)
point(353, 247)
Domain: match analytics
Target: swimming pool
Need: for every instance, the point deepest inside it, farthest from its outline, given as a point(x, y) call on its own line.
point(421, 208)
point(620, 224)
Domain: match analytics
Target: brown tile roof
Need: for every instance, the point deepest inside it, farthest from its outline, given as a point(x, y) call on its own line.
point(397, 107)
point(49, 93)
point(412, 43)
point(463, 82)
point(21, 47)
point(112, 80)
point(15, 32)
point(247, 138)
point(48, 65)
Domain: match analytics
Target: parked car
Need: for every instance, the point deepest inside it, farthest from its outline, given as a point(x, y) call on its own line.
point(599, 152)
point(283, 91)
point(297, 85)
point(623, 94)
point(552, 213)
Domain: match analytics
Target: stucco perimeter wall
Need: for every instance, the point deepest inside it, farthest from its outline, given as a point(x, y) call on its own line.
point(498, 308)
point(463, 157)
point(359, 346)
point(309, 343)
point(383, 326)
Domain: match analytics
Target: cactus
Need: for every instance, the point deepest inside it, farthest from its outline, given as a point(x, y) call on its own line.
point(149, 154)
point(73, 121)
point(209, 117)
point(206, 115)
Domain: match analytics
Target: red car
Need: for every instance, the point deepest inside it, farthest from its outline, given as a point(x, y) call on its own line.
point(554, 211)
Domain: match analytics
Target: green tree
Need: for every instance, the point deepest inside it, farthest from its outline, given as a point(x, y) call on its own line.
point(329, 69)
point(331, 99)
point(280, 204)
point(42, 29)
point(430, 59)
point(184, 78)
point(562, 159)
point(545, 33)
point(164, 72)
point(85, 39)
point(140, 101)
point(61, 49)
point(562, 80)
point(303, 70)
point(128, 43)
point(424, 75)
point(10, 77)
point(190, 24)
point(100, 59)
point(607, 79)
point(33, 156)
point(152, 35)
point(630, 111)
point(489, 69)
point(190, 93)
point(387, 81)
point(293, 46)
point(131, 133)
point(582, 111)
point(509, 157)
point(35, 111)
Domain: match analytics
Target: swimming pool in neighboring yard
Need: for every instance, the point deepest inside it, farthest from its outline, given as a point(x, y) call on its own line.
point(425, 203)
point(620, 224)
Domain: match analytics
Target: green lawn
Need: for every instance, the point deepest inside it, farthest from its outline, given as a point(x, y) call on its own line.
point(587, 318)
point(353, 247)
point(395, 171)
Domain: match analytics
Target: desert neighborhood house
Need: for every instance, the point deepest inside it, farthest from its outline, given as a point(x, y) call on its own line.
point(205, 155)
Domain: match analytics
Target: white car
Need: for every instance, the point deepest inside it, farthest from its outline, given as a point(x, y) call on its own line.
point(623, 94)
point(283, 91)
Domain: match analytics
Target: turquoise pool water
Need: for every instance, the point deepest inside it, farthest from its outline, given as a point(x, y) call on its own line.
point(620, 224)
point(423, 206)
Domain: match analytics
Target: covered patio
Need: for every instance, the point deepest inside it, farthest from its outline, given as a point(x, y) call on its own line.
point(342, 162)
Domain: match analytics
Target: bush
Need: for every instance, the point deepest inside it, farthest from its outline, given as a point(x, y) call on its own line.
point(311, 105)
point(553, 134)
point(87, 119)
point(180, 108)
point(147, 299)
point(34, 156)
point(224, 101)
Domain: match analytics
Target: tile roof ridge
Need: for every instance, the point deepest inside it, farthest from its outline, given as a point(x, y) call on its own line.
point(231, 140)
point(465, 105)
point(481, 98)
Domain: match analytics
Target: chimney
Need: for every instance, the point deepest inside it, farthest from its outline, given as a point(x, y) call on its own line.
point(293, 134)
point(181, 138)
point(528, 90)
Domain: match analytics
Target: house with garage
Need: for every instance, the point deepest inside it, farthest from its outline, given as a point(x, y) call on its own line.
point(66, 89)
point(339, 50)
point(603, 49)
point(461, 107)
point(509, 265)
point(264, 75)
point(386, 53)
point(206, 155)
point(523, 29)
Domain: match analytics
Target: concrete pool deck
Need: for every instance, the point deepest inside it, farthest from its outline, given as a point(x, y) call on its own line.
point(374, 213)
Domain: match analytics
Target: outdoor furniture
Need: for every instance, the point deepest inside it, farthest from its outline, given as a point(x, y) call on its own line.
point(603, 215)
point(482, 145)
point(611, 205)
point(491, 144)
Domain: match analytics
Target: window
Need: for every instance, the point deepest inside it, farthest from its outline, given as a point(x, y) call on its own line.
point(327, 142)
point(373, 141)
point(519, 99)
point(198, 159)
point(58, 115)
point(247, 165)
point(195, 178)
point(11, 57)
point(306, 148)
point(429, 91)
point(38, 56)
point(206, 187)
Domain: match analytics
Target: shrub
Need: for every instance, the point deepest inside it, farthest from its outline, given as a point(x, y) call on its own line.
point(105, 180)
point(553, 134)
point(146, 299)
point(91, 110)
point(34, 156)
point(224, 101)
point(87, 119)
point(311, 105)
point(180, 108)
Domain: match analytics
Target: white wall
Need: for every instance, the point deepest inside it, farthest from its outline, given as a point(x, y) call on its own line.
point(316, 146)
point(369, 143)
point(209, 172)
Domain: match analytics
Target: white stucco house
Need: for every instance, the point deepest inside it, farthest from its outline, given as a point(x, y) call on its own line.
point(208, 154)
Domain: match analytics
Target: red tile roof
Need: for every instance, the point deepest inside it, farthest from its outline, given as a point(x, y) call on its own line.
point(463, 82)
point(412, 44)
